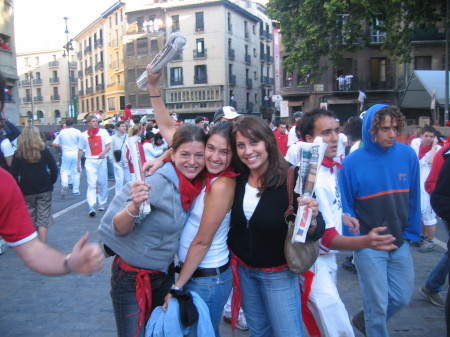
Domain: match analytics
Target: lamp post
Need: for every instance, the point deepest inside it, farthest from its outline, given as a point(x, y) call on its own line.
point(30, 78)
point(67, 49)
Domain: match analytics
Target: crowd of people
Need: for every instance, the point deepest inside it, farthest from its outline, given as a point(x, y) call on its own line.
point(213, 241)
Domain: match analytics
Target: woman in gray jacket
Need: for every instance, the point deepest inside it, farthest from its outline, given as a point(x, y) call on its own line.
point(145, 245)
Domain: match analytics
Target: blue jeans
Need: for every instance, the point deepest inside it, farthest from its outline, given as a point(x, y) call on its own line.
point(123, 295)
point(271, 302)
point(214, 290)
point(438, 275)
point(387, 283)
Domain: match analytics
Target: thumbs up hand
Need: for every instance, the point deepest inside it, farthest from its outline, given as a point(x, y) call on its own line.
point(85, 258)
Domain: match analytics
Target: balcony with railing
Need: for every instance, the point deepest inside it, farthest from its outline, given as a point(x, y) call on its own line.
point(178, 57)
point(231, 54)
point(25, 83)
point(264, 80)
point(249, 83)
point(100, 87)
point(262, 34)
point(200, 80)
point(98, 43)
point(232, 79)
point(99, 65)
point(73, 80)
point(89, 91)
point(88, 49)
point(53, 64)
point(269, 36)
point(248, 59)
point(79, 55)
point(88, 70)
point(80, 73)
point(200, 54)
point(54, 80)
point(38, 99)
point(26, 99)
point(269, 58)
point(72, 64)
point(262, 57)
point(80, 92)
point(55, 97)
point(37, 81)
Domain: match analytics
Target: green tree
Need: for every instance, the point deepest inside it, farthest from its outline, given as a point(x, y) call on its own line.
point(315, 29)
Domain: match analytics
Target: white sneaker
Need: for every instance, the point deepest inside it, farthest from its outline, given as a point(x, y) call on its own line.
point(241, 323)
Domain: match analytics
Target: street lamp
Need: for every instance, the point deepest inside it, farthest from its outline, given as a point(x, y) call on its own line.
point(30, 78)
point(67, 49)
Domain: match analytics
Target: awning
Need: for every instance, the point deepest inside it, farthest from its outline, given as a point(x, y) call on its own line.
point(82, 116)
point(420, 88)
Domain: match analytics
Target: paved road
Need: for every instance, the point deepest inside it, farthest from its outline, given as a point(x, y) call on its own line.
point(79, 306)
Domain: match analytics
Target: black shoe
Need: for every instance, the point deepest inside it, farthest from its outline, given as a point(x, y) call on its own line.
point(91, 213)
point(348, 265)
point(71, 186)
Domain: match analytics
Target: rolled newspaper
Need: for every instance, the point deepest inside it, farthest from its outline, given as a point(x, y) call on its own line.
point(133, 147)
point(175, 44)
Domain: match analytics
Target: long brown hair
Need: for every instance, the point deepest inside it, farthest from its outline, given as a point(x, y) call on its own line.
point(30, 144)
point(257, 129)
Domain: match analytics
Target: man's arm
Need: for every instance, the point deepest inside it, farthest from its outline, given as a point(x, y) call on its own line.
point(44, 259)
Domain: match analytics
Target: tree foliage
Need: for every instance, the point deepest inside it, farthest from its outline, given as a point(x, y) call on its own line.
point(315, 29)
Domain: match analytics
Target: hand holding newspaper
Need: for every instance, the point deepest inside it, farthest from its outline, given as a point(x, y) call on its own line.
point(311, 156)
point(133, 146)
point(175, 44)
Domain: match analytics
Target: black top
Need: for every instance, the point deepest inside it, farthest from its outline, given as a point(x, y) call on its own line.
point(37, 177)
point(260, 241)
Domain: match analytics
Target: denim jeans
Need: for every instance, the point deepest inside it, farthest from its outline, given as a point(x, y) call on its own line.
point(387, 283)
point(214, 290)
point(271, 302)
point(123, 295)
point(438, 275)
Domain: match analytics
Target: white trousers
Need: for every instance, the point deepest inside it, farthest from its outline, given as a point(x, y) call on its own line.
point(324, 300)
point(97, 174)
point(121, 175)
point(69, 173)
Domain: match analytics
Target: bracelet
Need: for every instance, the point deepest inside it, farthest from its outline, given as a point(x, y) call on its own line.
point(155, 96)
point(66, 264)
point(174, 287)
point(128, 212)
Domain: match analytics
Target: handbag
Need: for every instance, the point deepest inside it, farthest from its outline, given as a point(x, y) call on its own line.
point(118, 153)
point(300, 256)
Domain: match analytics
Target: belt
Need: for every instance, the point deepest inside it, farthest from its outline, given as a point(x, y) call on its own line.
point(206, 272)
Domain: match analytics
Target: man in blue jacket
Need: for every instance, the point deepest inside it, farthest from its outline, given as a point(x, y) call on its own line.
point(380, 187)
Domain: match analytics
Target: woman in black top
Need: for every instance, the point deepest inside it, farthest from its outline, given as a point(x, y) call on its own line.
point(270, 291)
point(36, 171)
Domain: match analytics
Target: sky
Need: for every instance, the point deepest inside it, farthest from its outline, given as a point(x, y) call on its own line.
point(39, 24)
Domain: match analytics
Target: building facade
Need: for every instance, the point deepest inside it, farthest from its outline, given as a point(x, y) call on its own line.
point(47, 81)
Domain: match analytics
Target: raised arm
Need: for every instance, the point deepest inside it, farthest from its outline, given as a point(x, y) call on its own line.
point(163, 119)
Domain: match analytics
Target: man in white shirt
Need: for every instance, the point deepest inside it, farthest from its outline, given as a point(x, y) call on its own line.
point(118, 143)
point(292, 137)
point(68, 140)
point(96, 143)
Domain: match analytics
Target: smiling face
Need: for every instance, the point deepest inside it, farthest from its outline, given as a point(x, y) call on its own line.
point(189, 158)
point(218, 154)
point(327, 128)
point(253, 153)
point(387, 133)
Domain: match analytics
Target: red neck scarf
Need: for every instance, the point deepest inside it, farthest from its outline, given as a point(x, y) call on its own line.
point(423, 150)
point(92, 132)
point(229, 172)
point(188, 189)
point(330, 163)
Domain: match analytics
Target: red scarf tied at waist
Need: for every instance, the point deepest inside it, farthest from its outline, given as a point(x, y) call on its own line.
point(423, 150)
point(229, 172)
point(330, 163)
point(143, 289)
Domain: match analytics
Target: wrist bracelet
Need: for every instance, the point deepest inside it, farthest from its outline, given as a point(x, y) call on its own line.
point(66, 264)
point(155, 96)
point(128, 212)
point(174, 287)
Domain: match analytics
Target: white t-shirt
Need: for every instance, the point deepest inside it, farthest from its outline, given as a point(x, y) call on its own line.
point(218, 253)
point(340, 155)
point(69, 139)
point(7, 148)
point(292, 136)
point(329, 198)
point(251, 200)
point(84, 143)
point(293, 153)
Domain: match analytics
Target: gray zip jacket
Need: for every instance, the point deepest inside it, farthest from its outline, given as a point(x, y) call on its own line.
point(153, 242)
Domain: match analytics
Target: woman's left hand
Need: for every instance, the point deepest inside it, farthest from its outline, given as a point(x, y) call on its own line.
point(166, 301)
point(312, 204)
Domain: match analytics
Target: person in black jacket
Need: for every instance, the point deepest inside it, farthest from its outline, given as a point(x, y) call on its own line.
point(440, 201)
point(36, 171)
